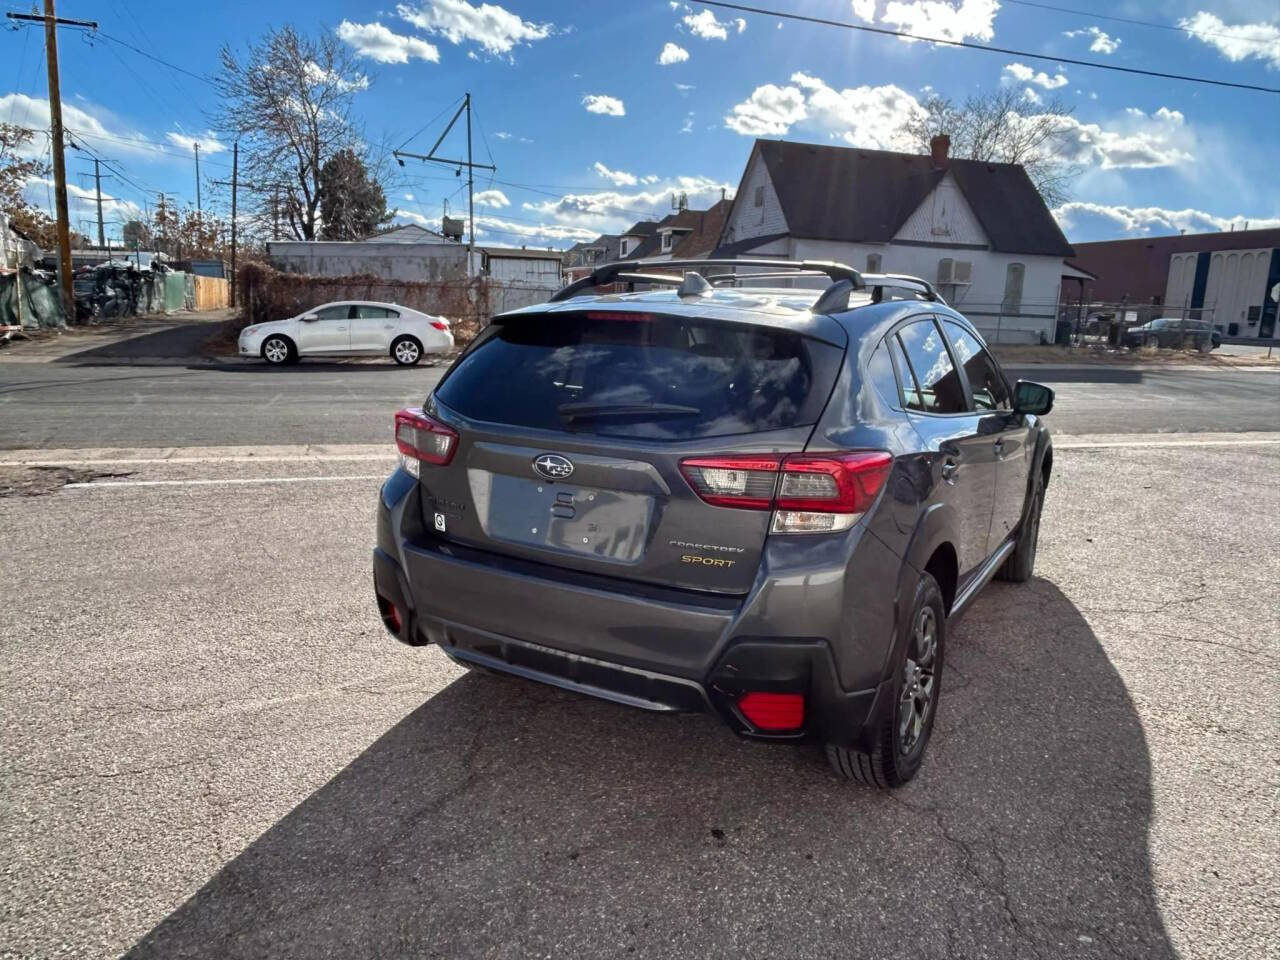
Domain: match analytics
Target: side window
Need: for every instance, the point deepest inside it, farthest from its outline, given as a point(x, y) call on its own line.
point(938, 387)
point(1013, 277)
point(341, 312)
point(759, 197)
point(985, 379)
point(880, 374)
point(873, 263)
point(622, 246)
point(366, 312)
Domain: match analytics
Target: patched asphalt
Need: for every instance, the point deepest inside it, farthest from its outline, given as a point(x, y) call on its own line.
point(212, 749)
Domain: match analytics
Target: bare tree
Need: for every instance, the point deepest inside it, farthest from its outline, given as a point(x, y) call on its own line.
point(288, 101)
point(1005, 127)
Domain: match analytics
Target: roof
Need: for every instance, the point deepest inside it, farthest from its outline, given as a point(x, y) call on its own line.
point(404, 233)
point(861, 196)
point(742, 246)
point(705, 234)
point(641, 228)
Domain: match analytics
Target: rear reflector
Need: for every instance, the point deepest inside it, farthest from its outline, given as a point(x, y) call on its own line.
point(422, 438)
point(810, 493)
point(773, 711)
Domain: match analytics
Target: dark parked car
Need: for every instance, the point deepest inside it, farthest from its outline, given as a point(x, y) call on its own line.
point(1170, 333)
point(761, 503)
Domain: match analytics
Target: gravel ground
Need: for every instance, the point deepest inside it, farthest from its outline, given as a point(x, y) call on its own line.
point(211, 749)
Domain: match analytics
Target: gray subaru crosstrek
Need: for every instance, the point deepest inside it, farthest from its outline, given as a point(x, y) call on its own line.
point(762, 503)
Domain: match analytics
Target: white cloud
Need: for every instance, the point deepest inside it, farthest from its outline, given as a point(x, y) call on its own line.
point(1236, 41)
point(1102, 42)
point(496, 29)
point(864, 116)
point(1144, 221)
point(317, 75)
point(684, 88)
point(505, 135)
point(81, 203)
point(537, 234)
point(863, 10)
point(491, 198)
point(1021, 73)
point(650, 179)
point(671, 53)
point(1137, 140)
point(608, 211)
point(687, 126)
point(706, 26)
point(1031, 96)
point(408, 196)
point(619, 178)
point(93, 123)
point(209, 142)
point(769, 111)
point(967, 19)
point(377, 42)
point(599, 103)
point(742, 25)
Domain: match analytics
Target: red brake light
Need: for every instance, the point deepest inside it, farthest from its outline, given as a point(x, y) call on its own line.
point(773, 711)
point(826, 483)
point(421, 437)
point(439, 324)
point(624, 315)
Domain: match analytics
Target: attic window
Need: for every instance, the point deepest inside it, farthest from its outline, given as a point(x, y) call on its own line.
point(759, 197)
point(622, 247)
point(666, 242)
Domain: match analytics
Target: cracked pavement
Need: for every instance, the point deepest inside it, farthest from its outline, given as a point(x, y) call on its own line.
point(211, 749)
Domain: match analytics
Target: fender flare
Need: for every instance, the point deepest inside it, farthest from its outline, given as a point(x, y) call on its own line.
point(935, 527)
point(1044, 448)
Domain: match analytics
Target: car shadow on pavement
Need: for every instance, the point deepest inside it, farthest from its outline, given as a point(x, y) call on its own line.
point(506, 819)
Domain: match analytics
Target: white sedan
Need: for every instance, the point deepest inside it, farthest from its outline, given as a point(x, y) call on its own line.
point(352, 328)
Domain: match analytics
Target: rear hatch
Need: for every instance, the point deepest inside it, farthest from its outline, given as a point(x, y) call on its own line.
point(571, 428)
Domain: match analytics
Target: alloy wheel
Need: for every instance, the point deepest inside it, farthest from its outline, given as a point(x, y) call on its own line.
point(919, 680)
point(407, 351)
point(276, 351)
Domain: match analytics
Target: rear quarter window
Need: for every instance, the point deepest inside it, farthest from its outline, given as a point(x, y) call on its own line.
point(665, 378)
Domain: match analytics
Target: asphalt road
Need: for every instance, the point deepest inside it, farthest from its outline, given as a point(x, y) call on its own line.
point(165, 404)
point(211, 749)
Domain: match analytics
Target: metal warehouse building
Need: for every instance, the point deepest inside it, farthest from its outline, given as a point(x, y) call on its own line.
point(1224, 278)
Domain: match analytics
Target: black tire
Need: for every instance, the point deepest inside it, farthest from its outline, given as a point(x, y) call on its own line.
point(901, 738)
point(1017, 569)
point(406, 351)
point(272, 353)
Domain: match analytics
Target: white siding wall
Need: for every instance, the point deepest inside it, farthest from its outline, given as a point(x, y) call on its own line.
point(525, 270)
point(748, 220)
point(1237, 281)
point(392, 261)
point(944, 217)
point(982, 301)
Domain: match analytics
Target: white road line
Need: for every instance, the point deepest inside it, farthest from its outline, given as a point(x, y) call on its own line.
point(222, 481)
point(1097, 444)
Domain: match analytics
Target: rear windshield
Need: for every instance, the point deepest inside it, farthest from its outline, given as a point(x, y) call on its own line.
point(662, 378)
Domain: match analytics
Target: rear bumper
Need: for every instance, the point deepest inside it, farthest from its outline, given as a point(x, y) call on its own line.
point(655, 649)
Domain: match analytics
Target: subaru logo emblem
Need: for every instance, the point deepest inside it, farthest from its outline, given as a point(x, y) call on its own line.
point(553, 467)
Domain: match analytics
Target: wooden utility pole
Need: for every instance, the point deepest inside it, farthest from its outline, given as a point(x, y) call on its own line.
point(51, 22)
point(199, 208)
point(471, 182)
point(235, 177)
point(97, 182)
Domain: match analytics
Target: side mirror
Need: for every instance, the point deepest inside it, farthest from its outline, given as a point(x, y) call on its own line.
point(1030, 397)
point(309, 318)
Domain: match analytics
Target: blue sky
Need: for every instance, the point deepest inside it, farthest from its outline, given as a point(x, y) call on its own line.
point(591, 130)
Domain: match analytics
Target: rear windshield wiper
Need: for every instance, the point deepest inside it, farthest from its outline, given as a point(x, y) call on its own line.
point(585, 411)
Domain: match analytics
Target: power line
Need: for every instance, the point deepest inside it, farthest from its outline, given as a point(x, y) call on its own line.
point(1005, 51)
point(1136, 23)
point(163, 63)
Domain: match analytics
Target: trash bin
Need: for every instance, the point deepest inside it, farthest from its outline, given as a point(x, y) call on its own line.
point(1062, 336)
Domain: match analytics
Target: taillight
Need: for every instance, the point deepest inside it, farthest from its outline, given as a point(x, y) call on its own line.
point(809, 493)
point(439, 324)
point(421, 438)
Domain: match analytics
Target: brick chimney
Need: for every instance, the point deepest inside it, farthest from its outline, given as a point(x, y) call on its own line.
point(938, 147)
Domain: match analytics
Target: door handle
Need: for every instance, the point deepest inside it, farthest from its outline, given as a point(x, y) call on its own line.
point(949, 470)
point(999, 447)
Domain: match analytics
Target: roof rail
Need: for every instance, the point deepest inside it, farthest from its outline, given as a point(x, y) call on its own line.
point(733, 277)
point(836, 297)
point(609, 272)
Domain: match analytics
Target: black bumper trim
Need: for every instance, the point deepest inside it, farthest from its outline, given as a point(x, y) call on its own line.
point(570, 671)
